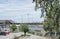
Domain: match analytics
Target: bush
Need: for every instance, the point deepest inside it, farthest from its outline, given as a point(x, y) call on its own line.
point(33, 32)
point(15, 37)
point(13, 27)
point(59, 37)
point(24, 28)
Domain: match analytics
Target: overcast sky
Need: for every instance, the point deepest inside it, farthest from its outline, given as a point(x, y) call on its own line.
point(19, 11)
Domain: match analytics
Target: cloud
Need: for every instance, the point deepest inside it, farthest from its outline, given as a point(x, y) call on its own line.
point(19, 10)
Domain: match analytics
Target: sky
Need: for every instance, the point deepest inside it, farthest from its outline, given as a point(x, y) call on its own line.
point(19, 11)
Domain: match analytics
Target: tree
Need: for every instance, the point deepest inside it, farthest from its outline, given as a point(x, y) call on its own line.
point(24, 28)
point(13, 27)
point(51, 9)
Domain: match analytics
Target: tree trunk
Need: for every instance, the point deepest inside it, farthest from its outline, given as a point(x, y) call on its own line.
point(25, 33)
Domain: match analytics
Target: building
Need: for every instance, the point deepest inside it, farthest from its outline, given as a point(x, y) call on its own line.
point(5, 25)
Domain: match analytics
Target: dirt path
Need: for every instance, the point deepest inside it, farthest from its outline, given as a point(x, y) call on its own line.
point(34, 37)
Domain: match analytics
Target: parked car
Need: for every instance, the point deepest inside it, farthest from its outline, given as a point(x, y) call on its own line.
point(4, 30)
point(2, 33)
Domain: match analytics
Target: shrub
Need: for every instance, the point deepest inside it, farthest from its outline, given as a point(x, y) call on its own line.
point(24, 28)
point(15, 37)
point(13, 27)
point(59, 37)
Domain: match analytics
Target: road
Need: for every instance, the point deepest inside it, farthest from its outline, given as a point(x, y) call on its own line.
point(35, 37)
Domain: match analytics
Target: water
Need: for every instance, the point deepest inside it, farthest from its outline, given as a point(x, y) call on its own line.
point(36, 27)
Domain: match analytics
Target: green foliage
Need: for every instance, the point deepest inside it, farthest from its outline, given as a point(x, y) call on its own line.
point(13, 27)
point(24, 28)
point(59, 37)
point(51, 11)
point(15, 37)
point(47, 26)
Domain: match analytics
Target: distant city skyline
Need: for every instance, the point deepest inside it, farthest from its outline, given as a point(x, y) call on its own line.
point(19, 11)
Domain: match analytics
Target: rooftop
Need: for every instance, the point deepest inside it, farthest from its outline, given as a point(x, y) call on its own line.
point(6, 21)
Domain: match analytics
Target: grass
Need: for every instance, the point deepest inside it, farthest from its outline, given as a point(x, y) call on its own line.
point(16, 37)
point(24, 36)
point(36, 32)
